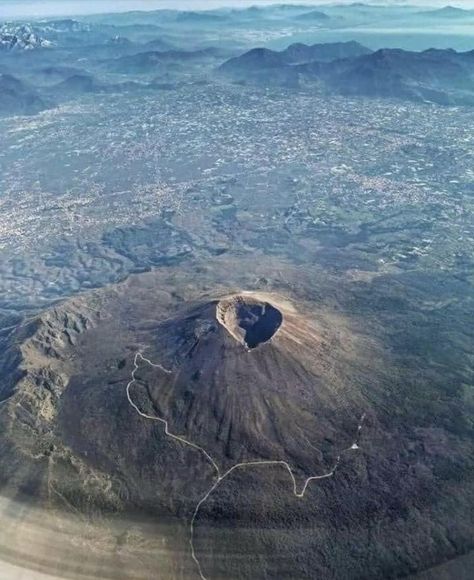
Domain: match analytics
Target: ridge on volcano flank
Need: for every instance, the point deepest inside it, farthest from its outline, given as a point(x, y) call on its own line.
point(249, 320)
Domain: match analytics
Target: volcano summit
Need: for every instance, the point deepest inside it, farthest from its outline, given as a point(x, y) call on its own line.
point(249, 320)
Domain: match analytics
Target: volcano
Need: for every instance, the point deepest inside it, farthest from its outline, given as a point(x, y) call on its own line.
point(205, 430)
point(247, 377)
point(129, 400)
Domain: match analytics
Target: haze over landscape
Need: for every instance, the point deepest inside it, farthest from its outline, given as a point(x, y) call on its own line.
point(41, 8)
point(236, 290)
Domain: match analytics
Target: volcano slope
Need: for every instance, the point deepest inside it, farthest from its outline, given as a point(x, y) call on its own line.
point(181, 429)
point(242, 400)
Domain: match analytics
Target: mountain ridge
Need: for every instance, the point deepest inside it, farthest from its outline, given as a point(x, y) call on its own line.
point(442, 76)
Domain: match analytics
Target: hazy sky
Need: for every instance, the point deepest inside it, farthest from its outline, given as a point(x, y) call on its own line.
point(21, 8)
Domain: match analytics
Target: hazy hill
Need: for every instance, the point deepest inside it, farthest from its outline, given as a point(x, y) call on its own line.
point(56, 73)
point(313, 15)
point(84, 83)
point(200, 17)
point(158, 44)
point(298, 52)
point(442, 76)
point(80, 83)
point(18, 98)
point(151, 60)
point(260, 66)
point(448, 12)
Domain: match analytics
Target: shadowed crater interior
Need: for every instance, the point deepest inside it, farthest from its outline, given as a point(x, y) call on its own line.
point(250, 321)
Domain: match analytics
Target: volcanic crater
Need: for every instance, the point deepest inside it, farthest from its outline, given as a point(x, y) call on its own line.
point(249, 320)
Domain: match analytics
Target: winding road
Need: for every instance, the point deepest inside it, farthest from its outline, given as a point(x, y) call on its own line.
point(220, 475)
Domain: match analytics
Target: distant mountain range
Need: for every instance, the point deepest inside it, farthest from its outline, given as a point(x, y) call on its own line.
point(265, 66)
point(435, 75)
point(77, 57)
point(78, 35)
point(21, 37)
